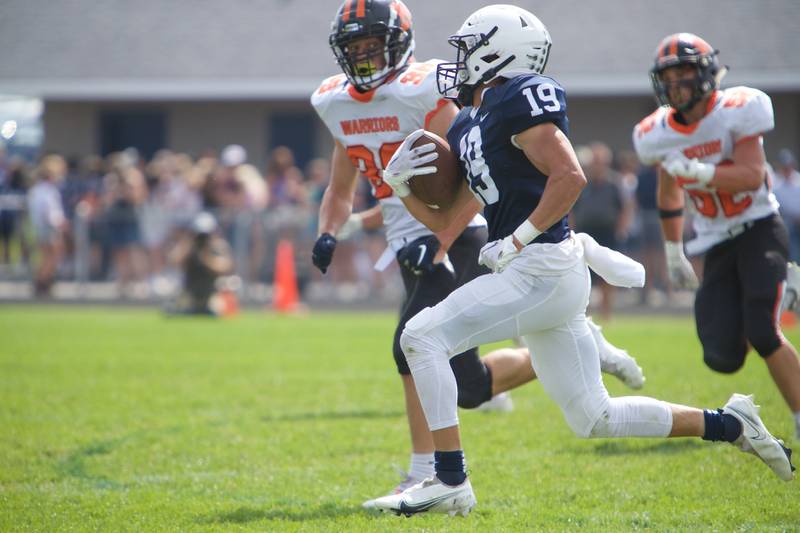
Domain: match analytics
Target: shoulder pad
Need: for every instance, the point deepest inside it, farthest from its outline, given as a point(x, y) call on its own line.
point(326, 88)
point(527, 101)
point(748, 111)
point(645, 136)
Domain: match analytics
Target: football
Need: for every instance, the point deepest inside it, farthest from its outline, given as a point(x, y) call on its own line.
point(437, 190)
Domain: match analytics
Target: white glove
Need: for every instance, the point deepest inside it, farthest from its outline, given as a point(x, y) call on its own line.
point(496, 255)
point(681, 273)
point(678, 164)
point(407, 162)
point(353, 224)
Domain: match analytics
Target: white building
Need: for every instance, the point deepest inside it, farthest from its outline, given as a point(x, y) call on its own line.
point(191, 74)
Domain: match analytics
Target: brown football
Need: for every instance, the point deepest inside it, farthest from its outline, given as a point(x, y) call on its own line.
point(439, 189)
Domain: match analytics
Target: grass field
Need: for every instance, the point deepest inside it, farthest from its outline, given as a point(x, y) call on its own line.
point(123, 420)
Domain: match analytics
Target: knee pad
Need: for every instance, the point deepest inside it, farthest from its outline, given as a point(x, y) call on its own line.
point(633, 416)
point(764, 336)
point(473, 377)
point(726, 362)
point(416, 343)
point(583, 412)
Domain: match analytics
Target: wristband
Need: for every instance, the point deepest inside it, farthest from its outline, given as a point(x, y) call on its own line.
point(670, 213)
point(526, 232)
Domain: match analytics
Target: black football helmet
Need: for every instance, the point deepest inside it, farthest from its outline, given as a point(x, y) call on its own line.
point(686, 49)
point(390, 21)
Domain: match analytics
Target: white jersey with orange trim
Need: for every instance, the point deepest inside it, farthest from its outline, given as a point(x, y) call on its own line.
point(372, 125)
point(733, 115)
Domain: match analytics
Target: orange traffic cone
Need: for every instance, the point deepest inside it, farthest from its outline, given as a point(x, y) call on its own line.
point(285, 294)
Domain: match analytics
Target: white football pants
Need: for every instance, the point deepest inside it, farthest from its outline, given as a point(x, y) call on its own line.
point(542, 297)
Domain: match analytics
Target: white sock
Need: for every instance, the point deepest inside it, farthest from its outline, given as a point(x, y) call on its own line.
point(421, 465)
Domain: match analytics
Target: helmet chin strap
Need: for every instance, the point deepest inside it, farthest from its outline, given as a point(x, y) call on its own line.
point(465, 92)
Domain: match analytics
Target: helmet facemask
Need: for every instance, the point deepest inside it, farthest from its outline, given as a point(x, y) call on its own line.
point(386, 20)
point(452, 78)
point(687, 50)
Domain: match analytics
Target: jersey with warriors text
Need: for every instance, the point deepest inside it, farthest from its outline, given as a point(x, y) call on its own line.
point(371, 126)
point(733, 115)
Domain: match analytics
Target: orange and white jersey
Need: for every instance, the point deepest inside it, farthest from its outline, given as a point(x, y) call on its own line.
point(372, 125)
point(733, 115)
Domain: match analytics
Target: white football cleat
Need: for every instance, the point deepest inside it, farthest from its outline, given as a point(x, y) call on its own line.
point(616, 361)
point(756, 439)
point(431, 495)
point(791, 296)
point(499, 403)
point(407, 482)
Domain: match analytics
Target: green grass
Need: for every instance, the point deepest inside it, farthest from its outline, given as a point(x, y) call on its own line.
point(123, 420)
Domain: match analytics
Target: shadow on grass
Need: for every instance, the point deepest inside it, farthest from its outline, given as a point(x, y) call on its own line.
point(292, 512)
point(666, 447)
point(331, 415)
point(73, 465)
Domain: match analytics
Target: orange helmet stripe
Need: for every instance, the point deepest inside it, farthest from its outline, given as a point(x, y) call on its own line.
point(361, 9)
point(673, 46)
point(346, 11)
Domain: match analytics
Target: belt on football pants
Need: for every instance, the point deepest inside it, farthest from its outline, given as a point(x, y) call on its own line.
point(738, 229)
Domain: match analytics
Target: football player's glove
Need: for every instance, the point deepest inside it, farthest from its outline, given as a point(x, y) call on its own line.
point(408, 162)
point(417, 256)
point(681, 273)
point(322, 254)
point(496, 255)
point(678, 164)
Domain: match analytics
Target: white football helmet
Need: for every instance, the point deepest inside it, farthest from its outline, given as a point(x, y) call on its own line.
point(499, 40)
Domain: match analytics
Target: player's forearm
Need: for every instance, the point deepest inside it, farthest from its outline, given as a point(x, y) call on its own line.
point(672, 228)
point(459, 223)
point(670, 202)
point(560, 194)
point(333, 211)
point(432, 219)
point(372, 218)
point(738, 177)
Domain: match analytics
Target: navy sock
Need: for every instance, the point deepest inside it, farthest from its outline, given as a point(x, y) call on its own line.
point(721, 426)
point(450, 467)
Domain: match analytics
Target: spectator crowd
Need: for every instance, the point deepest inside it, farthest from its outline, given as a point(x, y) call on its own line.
point(119, 218)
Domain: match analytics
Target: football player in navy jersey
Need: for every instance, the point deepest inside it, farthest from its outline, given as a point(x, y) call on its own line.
point(511, 138)
point(392, 95)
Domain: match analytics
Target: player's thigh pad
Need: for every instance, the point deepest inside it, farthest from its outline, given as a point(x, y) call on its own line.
point(762, 256)
point(718, 312)
point(497, 307)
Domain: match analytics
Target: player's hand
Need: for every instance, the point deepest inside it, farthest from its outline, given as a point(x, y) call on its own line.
point(678, 164)
point(408, 162)
point(681, 273)
point(418, 255)
point(496, 255)
point(354, 224)
point(322, 254)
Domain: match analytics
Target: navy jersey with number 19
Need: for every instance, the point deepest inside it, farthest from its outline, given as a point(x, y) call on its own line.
point(499, 174)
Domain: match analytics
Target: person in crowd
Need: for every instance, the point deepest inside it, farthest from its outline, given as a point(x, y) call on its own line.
point(203, 256)
point(47, 218)
point(124, 192)
point(13, 190)
point(603, 211)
